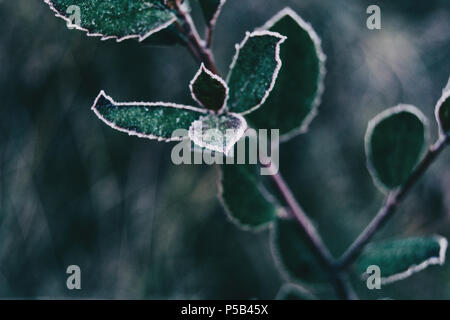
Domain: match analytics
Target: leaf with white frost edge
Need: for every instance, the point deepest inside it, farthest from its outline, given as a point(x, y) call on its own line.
point(152, 120)
point(218, 132)
point(117, 19)
point(208, 89)
point(399, 259)
point(211, 10)
point(442, 113)
point(447, 87)
point(245, 198)
point(254, 70)
point(294, 100)
point(394, 143)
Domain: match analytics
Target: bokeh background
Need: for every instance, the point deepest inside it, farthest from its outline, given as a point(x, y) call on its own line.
point(73, 191)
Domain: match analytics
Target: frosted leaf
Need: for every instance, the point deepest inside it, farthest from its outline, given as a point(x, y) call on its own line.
point(254, 70)
point(398, 259)
point(117, 19)
point(152, 120)
point(294, 100)
point(218, 132)
point(208, 89)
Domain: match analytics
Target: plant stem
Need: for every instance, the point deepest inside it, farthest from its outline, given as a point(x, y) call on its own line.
point(393, 199)
point(339, 282)
point(198, 47)
point(299, 214)
point(209, 35)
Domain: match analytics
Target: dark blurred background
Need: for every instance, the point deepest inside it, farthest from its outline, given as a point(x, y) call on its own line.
point(73, 191)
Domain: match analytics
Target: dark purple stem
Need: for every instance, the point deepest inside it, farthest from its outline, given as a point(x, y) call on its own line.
point(198, 47)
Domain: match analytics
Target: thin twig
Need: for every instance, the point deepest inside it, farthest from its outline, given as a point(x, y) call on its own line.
point(193, 40)
point(299, 214)
point(393, 199)
point(209, 35)
point(192, 50)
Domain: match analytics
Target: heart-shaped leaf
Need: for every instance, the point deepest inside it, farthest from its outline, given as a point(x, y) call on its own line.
point(245, 198)
point(395, 141)
point(399, 259)
point(116, 19)
point(294, 254)
point(154, 120)
point(293, 102)
point(254, 71)
point(443, 113)
point(208, 89)
point(218, 132)
point(211, 10)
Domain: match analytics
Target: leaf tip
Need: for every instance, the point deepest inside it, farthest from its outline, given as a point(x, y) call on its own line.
point(101, 95)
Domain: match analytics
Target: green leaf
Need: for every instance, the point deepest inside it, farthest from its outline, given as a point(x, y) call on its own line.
point(218, 132)
point(291, 291)
point(293, 103)
point(244, 196)
point(294, 254)
point(208, 89)
point(169, 36)
point(155, 120)
point(117, 19)
point(211, 9)
point(395, 141)
point(254, 71)
point(443, 113)
point(399, 259)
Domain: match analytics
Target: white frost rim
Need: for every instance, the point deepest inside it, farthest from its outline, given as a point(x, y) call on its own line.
point(260, 33)
point(440, 260)
point(103, 37)
point(303, 128)
point(231, 217)
point(140, 104)
point(214, 76)
point(444, 97)
point(371, 127)
point(239, 133)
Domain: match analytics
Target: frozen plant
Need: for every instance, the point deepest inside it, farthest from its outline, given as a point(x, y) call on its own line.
point(275, 80)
